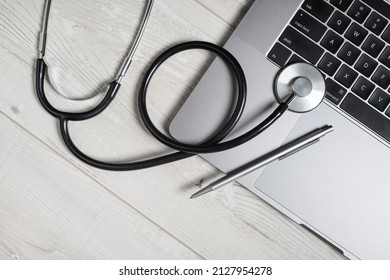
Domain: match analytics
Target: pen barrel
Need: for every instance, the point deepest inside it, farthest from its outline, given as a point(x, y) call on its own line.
point(279, 153)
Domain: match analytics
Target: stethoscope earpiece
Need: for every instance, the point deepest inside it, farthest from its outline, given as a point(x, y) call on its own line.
point(305, 82)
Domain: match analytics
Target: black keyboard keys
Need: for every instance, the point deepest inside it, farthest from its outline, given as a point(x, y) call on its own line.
point(359, 11)
point(363, 88)
point(308, 25)
point(376, 23)
point(341, 4)
point(339, 22)
point(332, 42)
point(279, 54)
point(346, 76)
point(373, 46)
point(301, 45)
point(318, 8)
point(385, 57)
point(329, 64)
point(356, 34)
point(349, 53)
point(381, 77)
point(334, 92)
point(380, 99)
point(366, 65)
point(382, 6)
point(386, 35)
point(367, 115)
point(295, 59)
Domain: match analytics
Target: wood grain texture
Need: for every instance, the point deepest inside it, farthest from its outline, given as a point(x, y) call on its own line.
point(49, 209)
point(87, 40)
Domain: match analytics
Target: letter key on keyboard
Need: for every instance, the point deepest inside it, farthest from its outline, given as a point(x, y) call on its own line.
point(382, 77)
point(385, 57)
point(332, 42)
point(367, 115)
point(339, 22)
point(380, 99)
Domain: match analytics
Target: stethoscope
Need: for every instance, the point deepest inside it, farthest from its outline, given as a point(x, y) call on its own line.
point(299, 87)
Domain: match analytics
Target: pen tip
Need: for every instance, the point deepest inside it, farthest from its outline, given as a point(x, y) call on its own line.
point(201, 192)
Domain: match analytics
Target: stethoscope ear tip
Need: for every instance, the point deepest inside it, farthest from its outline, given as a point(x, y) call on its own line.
point(301, 86)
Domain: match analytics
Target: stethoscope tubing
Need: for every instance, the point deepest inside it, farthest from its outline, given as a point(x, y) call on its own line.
point(65, 117)
point(214, 144)
point(40, 80)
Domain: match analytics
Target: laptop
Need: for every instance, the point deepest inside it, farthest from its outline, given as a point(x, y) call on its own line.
point(338, 188)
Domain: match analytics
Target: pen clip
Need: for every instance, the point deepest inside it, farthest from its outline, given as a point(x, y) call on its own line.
point(300, 149)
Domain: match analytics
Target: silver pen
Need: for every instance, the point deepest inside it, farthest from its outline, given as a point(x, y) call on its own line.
point(277, 154)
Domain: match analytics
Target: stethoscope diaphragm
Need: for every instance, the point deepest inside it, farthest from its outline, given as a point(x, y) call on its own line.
point(303, 80)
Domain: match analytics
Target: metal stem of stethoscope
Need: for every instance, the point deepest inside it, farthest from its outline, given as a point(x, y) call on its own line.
point(126, 63)
point(43, 33)
point(129, 57)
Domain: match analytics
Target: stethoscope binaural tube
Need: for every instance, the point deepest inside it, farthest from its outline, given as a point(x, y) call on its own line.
point(39, 82)
point(65, 117)
point(185, 151)
point(213, 144)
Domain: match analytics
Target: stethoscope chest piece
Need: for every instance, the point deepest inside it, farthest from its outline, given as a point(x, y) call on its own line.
point(303, 79)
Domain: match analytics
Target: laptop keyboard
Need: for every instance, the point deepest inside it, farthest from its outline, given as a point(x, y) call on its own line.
point(349, 41)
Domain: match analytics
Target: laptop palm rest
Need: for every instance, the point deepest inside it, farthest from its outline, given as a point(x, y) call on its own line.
point(330, 188)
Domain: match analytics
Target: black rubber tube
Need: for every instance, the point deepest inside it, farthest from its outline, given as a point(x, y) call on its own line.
point(210, 146)
point(184, 150)
point(40, 80)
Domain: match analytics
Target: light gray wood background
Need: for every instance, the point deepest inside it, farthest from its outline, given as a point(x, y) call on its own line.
point(52, 206)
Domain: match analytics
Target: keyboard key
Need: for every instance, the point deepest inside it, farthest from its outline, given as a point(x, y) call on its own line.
point(366, 65)
point(380, 99)
point(385, 57)
point(341, 4)
point(379, 5)
point(363, 88)
point(295, 59)
point(373, 46)
point(301, 45)
point(334, 92)
point(376, 23)
point(279, 54)
point(386, 35)
point(356, 34)
point(382, 77)
point(329, 64)
point(349, 53)
point(339, 22)
point(332, 42)
point(318, 8)
point(359, 11)
point(367, 115)
point(308, 25)
point(346, 76)
point(388, 112)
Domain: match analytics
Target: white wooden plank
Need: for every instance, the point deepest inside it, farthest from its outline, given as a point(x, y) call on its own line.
point(51, 210)
point(230, 223)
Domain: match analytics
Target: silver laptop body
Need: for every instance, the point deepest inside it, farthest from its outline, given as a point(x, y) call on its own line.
point(338, 188)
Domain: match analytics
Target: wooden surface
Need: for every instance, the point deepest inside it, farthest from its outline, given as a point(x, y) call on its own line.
point(52, 206)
